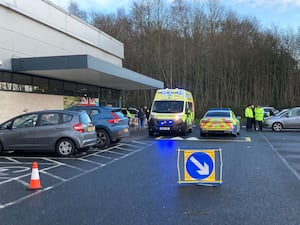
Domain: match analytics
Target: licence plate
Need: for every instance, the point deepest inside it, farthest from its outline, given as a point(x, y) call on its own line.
point(91, 129)
point(164, 128)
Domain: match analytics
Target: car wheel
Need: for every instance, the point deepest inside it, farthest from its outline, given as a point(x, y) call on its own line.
point(277, 127)
point(1, 148)
point(103, 139)
point(65, 147)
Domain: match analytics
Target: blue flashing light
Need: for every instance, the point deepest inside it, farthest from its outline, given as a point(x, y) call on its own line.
point(180, 92)
point(170, 92)
point(163, 123)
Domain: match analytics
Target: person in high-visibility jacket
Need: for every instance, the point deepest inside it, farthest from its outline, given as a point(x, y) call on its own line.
point(249, 114)
point(259, 116)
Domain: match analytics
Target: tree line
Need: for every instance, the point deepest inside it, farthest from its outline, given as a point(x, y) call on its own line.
point(224, 59)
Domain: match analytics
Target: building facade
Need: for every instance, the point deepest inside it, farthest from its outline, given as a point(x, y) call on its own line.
point(49, 59)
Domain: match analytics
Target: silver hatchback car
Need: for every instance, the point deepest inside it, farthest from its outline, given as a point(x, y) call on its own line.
point(290, 119)
point(49, 130)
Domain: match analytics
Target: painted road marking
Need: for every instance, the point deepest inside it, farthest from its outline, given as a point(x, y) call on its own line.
point(246, 139)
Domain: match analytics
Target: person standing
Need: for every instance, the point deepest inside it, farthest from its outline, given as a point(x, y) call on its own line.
point(259, 116)
point(249, 116)
point(141, 116)
point(147, 112)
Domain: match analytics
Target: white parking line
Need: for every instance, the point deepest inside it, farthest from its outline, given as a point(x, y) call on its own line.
point(121, 148)
point(86, 160)
point(52, 175)
point(13, 160)
point(117, 153)
point(102, 156)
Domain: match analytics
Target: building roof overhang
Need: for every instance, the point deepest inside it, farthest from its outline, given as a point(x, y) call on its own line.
point(85, 69)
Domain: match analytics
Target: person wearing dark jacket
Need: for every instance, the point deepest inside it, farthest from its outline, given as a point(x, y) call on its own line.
point(141, 116)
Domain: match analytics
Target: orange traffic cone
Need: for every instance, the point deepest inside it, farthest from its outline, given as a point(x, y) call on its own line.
point(35, 177)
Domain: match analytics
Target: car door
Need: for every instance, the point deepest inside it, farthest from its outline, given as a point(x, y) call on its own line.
point(20, 134)
point(292, 119)
point(49, 129)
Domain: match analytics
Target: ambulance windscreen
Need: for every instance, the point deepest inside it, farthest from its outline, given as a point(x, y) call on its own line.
point(168, 106)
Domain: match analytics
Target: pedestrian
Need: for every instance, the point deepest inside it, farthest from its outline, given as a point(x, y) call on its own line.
point(147, 112)
point(249, 116)
point(141, 116)
point(259, 116)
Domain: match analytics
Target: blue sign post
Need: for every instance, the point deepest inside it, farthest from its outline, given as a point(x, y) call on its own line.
point(202, 166)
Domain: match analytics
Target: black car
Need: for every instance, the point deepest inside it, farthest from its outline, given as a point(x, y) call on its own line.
point(111, 124)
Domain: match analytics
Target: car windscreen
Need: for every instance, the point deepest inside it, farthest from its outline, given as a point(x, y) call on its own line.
point(168, 106)
point(218, 114)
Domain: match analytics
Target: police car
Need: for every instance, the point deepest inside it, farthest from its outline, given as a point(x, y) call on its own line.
point(220, 121)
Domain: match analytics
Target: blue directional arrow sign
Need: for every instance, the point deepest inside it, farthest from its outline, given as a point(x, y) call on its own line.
point(199, 165)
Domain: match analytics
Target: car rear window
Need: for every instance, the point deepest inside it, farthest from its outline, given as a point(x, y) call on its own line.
point(118, 112)
point(84, 118)
point(218, 114)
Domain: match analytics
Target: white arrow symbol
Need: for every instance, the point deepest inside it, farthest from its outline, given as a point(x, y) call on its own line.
point(203, 170)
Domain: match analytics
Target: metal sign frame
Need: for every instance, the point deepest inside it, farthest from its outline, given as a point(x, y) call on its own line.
point(200, 166)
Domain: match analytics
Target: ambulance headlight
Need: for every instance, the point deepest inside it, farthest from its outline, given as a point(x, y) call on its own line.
point(178, 117)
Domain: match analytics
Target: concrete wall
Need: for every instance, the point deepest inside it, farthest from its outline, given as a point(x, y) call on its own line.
point(38, 28)
point(15, 103)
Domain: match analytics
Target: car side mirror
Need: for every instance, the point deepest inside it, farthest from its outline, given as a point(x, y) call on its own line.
point(238, 117)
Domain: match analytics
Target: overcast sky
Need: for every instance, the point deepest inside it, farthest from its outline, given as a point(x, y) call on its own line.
point(283, 13)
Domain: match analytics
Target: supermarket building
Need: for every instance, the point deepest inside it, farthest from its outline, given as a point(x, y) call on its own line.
point(49, 58)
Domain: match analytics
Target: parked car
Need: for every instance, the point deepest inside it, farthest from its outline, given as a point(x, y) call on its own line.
point(132, 119)
point(220, 121)
point(50, 130)
point(133, 111)
point(289, 119)
point(111, 124)
point(269, 111)
point(281, 112)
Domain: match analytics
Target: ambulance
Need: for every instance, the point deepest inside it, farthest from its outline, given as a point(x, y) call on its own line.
point(172, 112)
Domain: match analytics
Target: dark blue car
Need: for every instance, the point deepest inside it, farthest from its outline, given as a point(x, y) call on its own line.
point(111, 124)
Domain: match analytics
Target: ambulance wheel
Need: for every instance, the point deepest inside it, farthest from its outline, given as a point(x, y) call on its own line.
point(151, 133)
point(183, 131)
